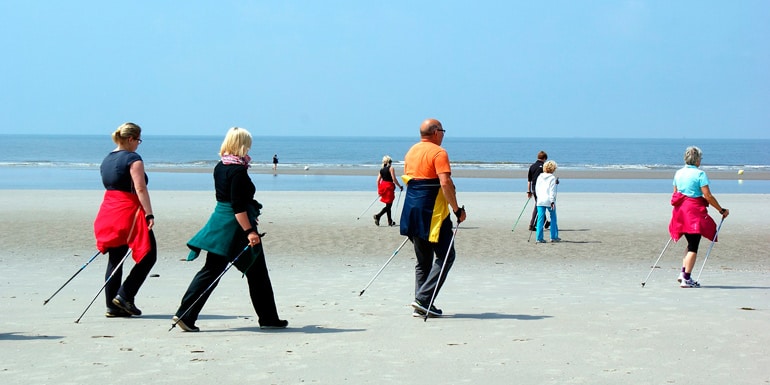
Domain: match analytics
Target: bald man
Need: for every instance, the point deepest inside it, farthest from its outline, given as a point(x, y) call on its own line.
point(425, 218)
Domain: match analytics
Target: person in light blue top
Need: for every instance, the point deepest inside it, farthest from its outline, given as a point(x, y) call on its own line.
point(691, 198)
point(689, 180)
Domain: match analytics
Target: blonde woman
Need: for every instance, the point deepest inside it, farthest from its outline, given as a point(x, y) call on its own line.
point(545, 191)
point(386, 188)
point(124, 221)
point(230, 229)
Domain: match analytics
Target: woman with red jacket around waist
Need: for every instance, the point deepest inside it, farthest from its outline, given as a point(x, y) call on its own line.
point(125, 221)
point(690, 218)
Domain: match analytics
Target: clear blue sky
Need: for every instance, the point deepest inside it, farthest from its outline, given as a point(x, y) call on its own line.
point(650, 69)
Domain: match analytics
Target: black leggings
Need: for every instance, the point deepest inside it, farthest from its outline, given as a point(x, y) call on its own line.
point(693, 240)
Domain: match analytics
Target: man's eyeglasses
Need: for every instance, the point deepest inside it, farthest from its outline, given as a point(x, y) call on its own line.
point(441, 129)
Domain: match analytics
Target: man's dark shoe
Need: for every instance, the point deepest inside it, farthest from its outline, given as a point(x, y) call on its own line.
point(279, 324)
point(420, 308)
point(116, 313)
point(185, 326)
point(547, 224)
point(126, 306)
point(532, 228)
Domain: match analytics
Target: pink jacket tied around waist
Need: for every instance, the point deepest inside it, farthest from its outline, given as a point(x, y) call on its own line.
point(690, 216)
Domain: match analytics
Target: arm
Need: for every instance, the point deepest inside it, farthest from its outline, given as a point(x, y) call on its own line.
point(140, 185)
point(713, 201)
point(529, 189)
point(448, 188)
point(395, 180)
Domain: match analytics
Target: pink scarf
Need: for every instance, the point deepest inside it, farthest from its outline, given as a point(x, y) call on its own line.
point(234, 159)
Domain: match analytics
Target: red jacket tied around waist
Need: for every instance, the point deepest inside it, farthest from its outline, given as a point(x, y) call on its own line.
point(120, 221)
point(690, 216)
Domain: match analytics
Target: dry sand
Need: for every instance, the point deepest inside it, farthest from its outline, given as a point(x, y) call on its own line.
point(517, 312)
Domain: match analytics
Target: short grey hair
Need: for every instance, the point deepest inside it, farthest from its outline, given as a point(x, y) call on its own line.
point(692, 155)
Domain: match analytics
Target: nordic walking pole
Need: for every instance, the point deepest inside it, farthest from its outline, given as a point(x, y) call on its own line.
point(522, 212)
point(73, 276)
point(709, 250)
point(399, 200)
point(441, 272)
point(656, 261)
point(229, 265)
point(367, 209)
point(383, 266)
point(105, 284)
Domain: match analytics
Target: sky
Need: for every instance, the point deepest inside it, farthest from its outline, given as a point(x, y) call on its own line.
point(616, 69)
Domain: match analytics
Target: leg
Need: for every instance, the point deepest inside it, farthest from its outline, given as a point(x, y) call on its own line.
point(111, 290)
point(540, 223)
point(215, 265)
point(554, 225)
point(442, 251)
point(139, 272)
point(261, 289)
point(534, 217)
point(387, 209)
point(688, 262)
point(424, 253)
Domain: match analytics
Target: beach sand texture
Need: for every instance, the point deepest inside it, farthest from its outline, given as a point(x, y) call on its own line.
point(517, 312)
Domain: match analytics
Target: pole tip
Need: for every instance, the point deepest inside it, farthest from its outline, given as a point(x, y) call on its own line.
point(643, 284)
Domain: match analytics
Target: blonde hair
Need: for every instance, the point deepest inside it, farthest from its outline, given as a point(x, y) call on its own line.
point(125, 132)
point(386, 160)
point(692, 155)
point(237, 142)
point(549, 167)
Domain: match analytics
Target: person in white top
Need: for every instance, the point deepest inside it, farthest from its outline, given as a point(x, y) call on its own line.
point(545, 191)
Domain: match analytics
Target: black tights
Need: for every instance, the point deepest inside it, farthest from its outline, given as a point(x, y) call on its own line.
point(693, 241)
point(386, 210)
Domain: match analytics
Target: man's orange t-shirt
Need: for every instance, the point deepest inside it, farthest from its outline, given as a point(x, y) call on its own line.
point(425, 160)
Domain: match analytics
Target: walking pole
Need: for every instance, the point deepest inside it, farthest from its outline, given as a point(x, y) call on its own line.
point(709, 250)
point(229, 265)
point(105, 284)
point(383, 266)
point(441, 272)
point(656, 261)
point(522, 212)
point(367, 209)
point(399, 200)
point(73, 276)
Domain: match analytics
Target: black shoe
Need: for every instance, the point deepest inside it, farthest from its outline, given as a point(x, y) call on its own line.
point(185, 326)
point(532, 228)
point(420, 308)
point(117, 313)
point(547, 224)
point(279, 324)
point(392, 223)
point(376, 220)
point(126, 306)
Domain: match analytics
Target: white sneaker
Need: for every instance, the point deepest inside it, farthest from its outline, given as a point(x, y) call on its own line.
point(687, 283)
point(681, 277)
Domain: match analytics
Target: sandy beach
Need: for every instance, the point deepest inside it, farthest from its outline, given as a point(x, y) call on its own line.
point(516, 311)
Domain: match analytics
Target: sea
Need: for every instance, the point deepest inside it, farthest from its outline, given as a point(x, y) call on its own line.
point(71, 162)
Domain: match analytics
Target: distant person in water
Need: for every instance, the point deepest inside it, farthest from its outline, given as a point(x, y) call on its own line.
point(275, 162)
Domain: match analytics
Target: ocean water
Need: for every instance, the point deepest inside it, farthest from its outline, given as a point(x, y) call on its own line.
point(72, 161)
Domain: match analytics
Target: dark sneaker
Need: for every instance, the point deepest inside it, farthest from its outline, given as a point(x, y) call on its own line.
point(184, 326)
point(127, 306)
point(555, 240)
point(279, 324)
point(376, 220)
point(547, 224)
point(433, 312)
point(116, 313)
point(532, 228)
